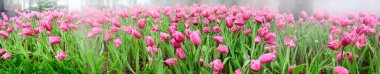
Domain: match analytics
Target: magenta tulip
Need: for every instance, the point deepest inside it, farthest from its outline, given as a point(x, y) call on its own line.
point(218, 39)
point(255, 65)
point(54, 39)
point(223, 49)
point(267, 58)
point(341, 70)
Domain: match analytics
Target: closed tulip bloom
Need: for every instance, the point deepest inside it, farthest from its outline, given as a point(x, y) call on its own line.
point(178, 36)
point(195, 38)
point(149, 41)
point(291, 69)
point(141, 23)
point(343, 55)
point(257, 40)
point(304, 14)
point(239, 22)
point(217, 65)
point(187, 23)
point(171, 61)
point(255, 65)
point(10, 29)
point(223, 49)
point(361, 29)
point(107, 36)
point(155, 28)
point(229, 22)
point(54, 39)
point(188, 33)
point(267, 58)
point(289, 42)
point(361, 41)
point(175, 44)
point(346, 40)
point(371, 31)
point(237, 71)
point(94, 31)
point(47, 25)
point(127, 29)
point(218, 39)
point(216, 29)
point(259, 19)
point(152, 49)
point(179, 52)
point(6, 56)
point(206, 30)
point(117, 42)
point(64, 27)
point(4, 34)
point(61, 55)
point(247, 32)
point(334, 45)
point(201, 61)
point(136, 34)
point(341, 70)
point(269, 38)
point(262, 32)
point(164, 36)
point(3, 51)
point(27, 31)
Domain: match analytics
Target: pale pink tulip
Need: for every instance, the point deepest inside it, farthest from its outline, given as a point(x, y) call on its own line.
point(341, 70)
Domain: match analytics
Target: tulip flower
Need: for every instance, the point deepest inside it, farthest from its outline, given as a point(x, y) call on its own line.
point(3, 51)
point(218, 39)
point(267, 58)
point(217, 65)
point(178, 36)
point(152, 49)
point(206, 30)
point(171, 61)
point(269, 38)
point(223, 49)
point(179, 52)
point(334, 44)
point(361, 41)
point(201, 61)
point(149, 41)
point(289, 42)
point(163, 36)
point(141, 23)
point(216, 29)
point(247, 32)
point(175, 44)
point(255, 65)
point(62, 55)
point(155, 28)
point(117, 42)
point(257, 40)
point(237, 71)
point(136, 34)
point(229, 22)
point(54, 39)
point(6, 56)
point(27, 31)
point(341, 70)
point(195, 38)
point(291, 69)
point(346, 40)
point(4, 34)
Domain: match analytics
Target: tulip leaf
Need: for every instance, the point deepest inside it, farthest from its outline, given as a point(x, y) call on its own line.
point(298, 69)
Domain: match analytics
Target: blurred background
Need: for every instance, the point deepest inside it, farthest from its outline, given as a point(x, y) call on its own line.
point(291, 6)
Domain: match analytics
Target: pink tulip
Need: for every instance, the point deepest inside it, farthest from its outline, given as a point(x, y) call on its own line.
point(223, 49)
point(218, 39)
point(171, 61)
point(239, 22)
point(4, 34)
point(54, 39)
point(127, 29)
point(216, 29)
point(195, 22)
point(117, 42)
point(136, 34)
point(94, 31)
point(27, 31)
point(361, 29)
point(237, 71)
point(345, 22)
point(178, 36)
point(262, 32)
point(152, 49)
point(175, 44)
point(47, 25)
point(371, 31)
point(361, 41)
point(229, 22)
point(343, 55)
point(155, 28)
point(163, 36)
point(247, 32)
point(201, 61)
point(267, 58)
point(217, 65)
point(341, 70)
point(289, 42)
point(107, 36)
point(6, 56)
point(64, 27)
point(255, 65)
point(291, 69)
point(346, 40)
point(206, 30)
point(179, 52)
point(10, 29)
point(269, 38)
point(195, 38)
point(62, 55)
point(141, 23)
point(149, 41)
point(114, 29)
point(187, 23)
point(259, 19)
point(257, 39)
point(3, 51)
point(304, 14)
point(334, 44)
point(188, 33)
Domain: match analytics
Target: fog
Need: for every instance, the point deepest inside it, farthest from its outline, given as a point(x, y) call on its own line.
point(293, 6)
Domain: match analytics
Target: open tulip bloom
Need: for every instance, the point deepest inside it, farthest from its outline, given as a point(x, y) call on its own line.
point(195, 39)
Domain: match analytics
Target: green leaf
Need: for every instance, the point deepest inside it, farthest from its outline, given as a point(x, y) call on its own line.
point(298, 69)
